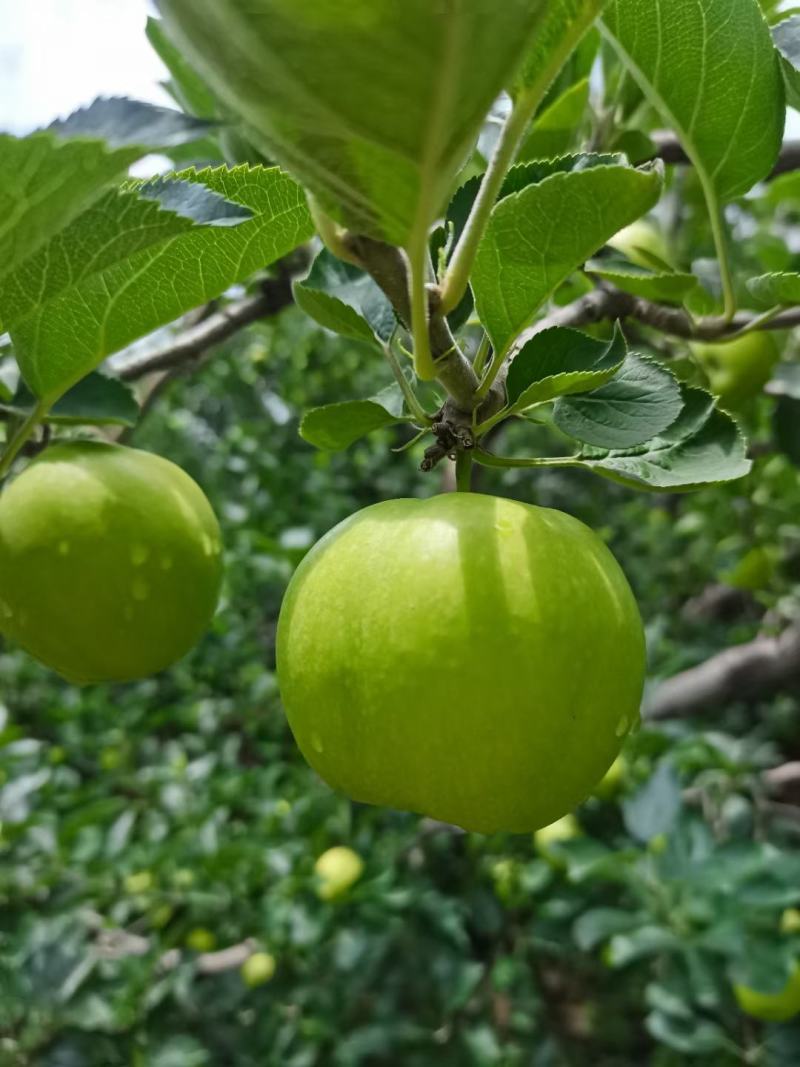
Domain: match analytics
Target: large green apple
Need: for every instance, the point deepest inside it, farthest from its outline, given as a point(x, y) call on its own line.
point(738, 370)
point(109, 562)
point(474, 659)
point(772, 1007)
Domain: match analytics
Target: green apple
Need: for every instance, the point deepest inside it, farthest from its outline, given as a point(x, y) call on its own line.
point(473, 659)
point(563, 829)
point(257, 969)
point(612, 781)
point(200, 939)
point(643, 245)
point(771, 1007)
point(337, 870)
point(110, 562)
point(738, 370)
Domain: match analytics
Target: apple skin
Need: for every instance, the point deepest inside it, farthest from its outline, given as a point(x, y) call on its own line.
point(739, 370)
point(469, 658)
point(110, 562)
point(772, 1007)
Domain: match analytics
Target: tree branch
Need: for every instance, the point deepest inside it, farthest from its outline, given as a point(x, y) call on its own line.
point(754, 669)
point(669, 148)
point(607, 303)
point(192, 343)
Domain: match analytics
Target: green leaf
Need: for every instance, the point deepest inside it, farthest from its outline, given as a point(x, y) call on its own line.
point(96, 400)
point(654, 809)
point(372, 104)
point(188, 88)
point(779, 288)
point(703, 447)
point(558, 362)
point(336, 426)
point(116, 227)
point(787, 40)
point(554, 131)
point(694, 1036)
point(642, 400)
point(537, 237)
point(642, 943)
point(599, 924)
point(344, 299)
point(564, 24)
point(47, 178)
point(64, 338)
point(710, 69)
point(668, 287)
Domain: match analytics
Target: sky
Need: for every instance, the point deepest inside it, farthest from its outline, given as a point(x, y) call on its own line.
point(56, 55)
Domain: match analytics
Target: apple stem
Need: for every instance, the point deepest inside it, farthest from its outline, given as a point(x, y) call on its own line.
point(463, 472)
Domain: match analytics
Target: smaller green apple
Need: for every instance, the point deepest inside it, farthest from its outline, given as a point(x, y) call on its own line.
point(337, 870)
point(257, 969)
point(138, 883)
point(771, 1007)
point(643, 245)
point(563, 829)
point(737, 371)
point(201, 940)
point(611, 782)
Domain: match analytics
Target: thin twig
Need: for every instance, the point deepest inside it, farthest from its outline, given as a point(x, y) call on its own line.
point(275, 295)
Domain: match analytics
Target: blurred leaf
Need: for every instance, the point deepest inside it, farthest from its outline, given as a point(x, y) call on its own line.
point(654, 809)
point(776, 289)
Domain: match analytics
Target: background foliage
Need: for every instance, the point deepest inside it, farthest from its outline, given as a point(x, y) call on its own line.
point(177, 814)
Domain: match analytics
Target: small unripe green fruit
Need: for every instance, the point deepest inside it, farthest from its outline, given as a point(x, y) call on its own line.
point(337, 870)
point(772, 1007)
point(110, 562)
point(790, 921)
point(564, 829)
point(738, 370)
point(257, 969)
point(201, 940)
point(470, 658)
point(642, 244)
point(611, 782)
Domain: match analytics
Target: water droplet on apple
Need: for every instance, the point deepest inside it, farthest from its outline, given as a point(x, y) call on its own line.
point(139, 555)
point(140, 589)
point(316, 743)
point(63, 548)
point(623, 726)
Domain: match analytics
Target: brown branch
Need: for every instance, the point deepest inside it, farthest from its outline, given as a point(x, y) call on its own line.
point(607, 303)
point(754, 669)
point(192, 343)
point(114, 944)
point(669, 148)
